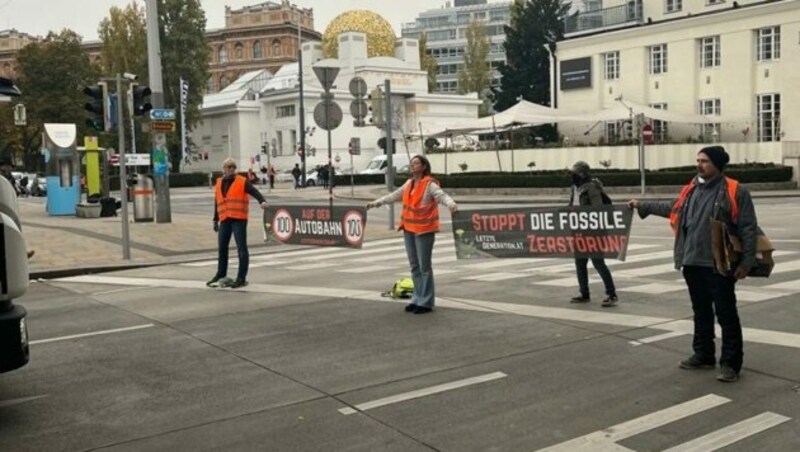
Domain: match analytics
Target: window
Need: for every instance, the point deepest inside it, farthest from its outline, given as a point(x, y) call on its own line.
point(257, 50)
point(238, 50)
point(768, 43)
point(613, 130)
point(279, 142)
point(707, 107)
point(709, 51)
point(223, 82)
point(769, 117)
point(672, 6)
point(611, 60)
point(293, 138)
point(276, 47)
point(284, 111)
point(222, 55)
point(210, 85)
point(660, 128)
point(714, 2)
point(658, 59)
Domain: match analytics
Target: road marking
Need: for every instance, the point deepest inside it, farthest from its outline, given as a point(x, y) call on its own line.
point(315, 266)
point(492, 277)
point(660, 337)
point(647, 271)
point(654, 288)
point(731, 434)
point(96, 333)
point(10, 402)
point(609, 262)
point(423, 392)
point(606, 439)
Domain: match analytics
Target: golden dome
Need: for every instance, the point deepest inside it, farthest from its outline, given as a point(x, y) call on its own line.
point(380, 35)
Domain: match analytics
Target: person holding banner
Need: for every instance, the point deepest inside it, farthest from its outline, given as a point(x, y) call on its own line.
point(587, 191)
point(710, 196)
point(231, 209)
point(419, 221)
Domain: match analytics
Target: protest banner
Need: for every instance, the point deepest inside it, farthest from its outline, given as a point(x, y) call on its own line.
point(315, 225)
point(543, 232)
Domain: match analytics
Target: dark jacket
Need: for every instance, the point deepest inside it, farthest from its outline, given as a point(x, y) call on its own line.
point(248, 187)
point(590, 193)
point(693, 241)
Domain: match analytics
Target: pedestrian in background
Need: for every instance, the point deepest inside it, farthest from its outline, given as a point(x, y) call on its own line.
point(588, 191)
point(271, 173)
point(296, 173)
point(419, 221)
point(710, 195)
point(231, 209)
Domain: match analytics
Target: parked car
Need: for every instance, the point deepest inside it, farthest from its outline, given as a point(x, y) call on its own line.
point(284, 176)
point(37, 185)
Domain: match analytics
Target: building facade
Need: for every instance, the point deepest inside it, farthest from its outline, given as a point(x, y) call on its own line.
point(736, 62)
point(446, 31)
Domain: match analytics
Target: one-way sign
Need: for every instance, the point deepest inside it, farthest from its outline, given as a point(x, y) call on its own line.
point(162, 114)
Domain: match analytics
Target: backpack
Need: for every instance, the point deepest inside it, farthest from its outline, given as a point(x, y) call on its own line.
point(606, 198)
point(402, 288)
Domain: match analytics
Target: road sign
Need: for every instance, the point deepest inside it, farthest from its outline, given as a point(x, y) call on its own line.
point(355, 146)
point(358, 87)
point(20, 118)
point(647, 134)
point(326, 76)
point(358, 109)
point(162, 126)
point(328, 115)
point(162, 114)
point(130, 159)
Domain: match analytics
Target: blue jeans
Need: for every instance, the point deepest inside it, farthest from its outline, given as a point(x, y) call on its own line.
point(419, 249)
point(581, 264)
point(238, 228)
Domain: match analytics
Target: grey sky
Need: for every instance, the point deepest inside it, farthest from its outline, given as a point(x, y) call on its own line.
point(37, 17)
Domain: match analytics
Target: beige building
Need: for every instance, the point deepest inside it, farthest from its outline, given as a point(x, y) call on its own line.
point(736, 62)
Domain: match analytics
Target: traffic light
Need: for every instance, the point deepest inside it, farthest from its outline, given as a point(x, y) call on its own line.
point(627, 130)
point(376, 107)
point(141, 103)
point(264, 148)
point(98, 105)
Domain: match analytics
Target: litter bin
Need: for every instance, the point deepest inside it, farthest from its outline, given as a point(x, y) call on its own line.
point(143, 199)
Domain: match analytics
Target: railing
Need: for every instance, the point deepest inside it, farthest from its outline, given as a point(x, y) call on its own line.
point(616, 16)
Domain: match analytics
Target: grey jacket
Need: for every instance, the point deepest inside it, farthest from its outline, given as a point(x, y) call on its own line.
point(588, 194)
point(706, 201)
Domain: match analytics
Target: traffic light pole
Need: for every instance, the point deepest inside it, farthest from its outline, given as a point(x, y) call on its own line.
point(160, 175)
point(302, 106)
point(123, 176)
point(387, 85)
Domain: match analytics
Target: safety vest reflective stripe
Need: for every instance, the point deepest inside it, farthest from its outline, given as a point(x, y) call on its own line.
point(235, 203)
point(416, 217)
point(675, 215)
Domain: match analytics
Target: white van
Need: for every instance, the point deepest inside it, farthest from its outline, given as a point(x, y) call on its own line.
point(378, 164)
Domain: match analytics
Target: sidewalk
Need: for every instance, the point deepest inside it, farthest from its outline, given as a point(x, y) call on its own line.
point(71, 245)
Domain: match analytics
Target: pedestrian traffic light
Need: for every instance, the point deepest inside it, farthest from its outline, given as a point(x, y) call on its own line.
point(264, 148)
point(376, 107)
point(141, 103)
point(98, 105)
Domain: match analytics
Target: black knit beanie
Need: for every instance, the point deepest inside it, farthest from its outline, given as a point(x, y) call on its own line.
point(717, 155)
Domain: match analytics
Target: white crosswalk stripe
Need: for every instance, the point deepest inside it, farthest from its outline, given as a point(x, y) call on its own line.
point(648, 269)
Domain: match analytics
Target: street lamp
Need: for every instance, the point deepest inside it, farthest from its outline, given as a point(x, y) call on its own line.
point(302, 108)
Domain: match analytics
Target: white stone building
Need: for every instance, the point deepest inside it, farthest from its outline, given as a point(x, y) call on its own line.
point(735, 61)
point(264, 108)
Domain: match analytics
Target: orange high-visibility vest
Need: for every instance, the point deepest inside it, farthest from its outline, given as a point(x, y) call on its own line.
point(417, 217)
point(675, 215)
point(235, 203)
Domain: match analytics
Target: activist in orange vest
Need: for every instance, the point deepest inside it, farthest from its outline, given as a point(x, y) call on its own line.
point(710, 195)
point(231, 208)
point(419, 221)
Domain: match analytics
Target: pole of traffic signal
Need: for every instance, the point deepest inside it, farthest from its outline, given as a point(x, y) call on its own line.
point(123, 177)
point(161, 181)
point(302, 109)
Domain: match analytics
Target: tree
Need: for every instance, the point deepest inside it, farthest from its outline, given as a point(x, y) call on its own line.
point(427, 62)
point(184, 54)
point(526, 73)
point(476, 75)
point(124, 36)
point(52, 75)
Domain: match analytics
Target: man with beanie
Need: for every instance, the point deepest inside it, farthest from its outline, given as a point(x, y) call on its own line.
point(710, 195)
point(231, 209)
point(587, 191)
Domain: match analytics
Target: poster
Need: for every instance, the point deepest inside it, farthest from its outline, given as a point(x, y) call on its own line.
point(316, 225)
point(543, 232)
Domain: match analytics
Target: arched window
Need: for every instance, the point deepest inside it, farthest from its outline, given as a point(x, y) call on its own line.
point(222, 55)
point(257, 50)
point(239, 51)
point(276, 47)
point(210, 85)
point(223, 82)
point(7, 70)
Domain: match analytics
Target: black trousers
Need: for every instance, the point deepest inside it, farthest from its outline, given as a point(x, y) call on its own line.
point(581, 267)
point(711, 294)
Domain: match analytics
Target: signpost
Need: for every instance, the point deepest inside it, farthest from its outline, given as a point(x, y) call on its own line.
point(358, 107)
point(647, 134)
point(328, 114)
point(353, 149)
point(162, 126)
point(163, 114)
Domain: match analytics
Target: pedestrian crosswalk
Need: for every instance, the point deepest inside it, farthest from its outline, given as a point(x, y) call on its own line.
point(648, 269)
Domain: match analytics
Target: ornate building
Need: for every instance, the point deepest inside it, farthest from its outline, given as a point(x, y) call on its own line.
point(265, 36)
point(10, 43)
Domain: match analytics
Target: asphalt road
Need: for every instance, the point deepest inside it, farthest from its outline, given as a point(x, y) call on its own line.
point(310, 357)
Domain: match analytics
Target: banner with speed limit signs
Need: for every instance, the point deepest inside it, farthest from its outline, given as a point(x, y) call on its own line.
point(316, 225)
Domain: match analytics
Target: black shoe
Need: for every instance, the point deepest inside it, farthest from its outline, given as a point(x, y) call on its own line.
point(213, 282)
point(238, 283)
point(727, 374)
point(611, 300)
point(694, 363)
point(421, 310)
point(410, 307)
point(580, 299)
